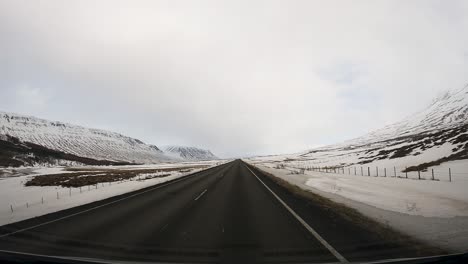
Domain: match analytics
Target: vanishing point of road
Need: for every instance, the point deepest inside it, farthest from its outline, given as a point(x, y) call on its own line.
point(232, 213)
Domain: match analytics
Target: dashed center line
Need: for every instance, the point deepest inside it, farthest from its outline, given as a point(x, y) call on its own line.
point(201, 194)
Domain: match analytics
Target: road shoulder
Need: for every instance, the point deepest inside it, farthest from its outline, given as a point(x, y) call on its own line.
point(338, 209)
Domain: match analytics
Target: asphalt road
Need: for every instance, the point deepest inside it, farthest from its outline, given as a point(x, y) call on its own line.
point(230, 214)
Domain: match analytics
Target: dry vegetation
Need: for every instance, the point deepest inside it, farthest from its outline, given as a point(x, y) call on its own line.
point(86, 176)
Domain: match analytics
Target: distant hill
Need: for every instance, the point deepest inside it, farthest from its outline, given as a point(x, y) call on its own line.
point(189, 153)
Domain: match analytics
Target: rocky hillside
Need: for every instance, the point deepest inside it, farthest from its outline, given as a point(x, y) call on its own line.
point(15, 153)
point(432, 137)
point(79, 141)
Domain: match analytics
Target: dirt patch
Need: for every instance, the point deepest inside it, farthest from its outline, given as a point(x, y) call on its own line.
point(340, 210)
point(95, 176)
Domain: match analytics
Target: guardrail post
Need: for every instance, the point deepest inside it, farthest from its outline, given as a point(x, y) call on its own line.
point(432, 174)
point(450, 175)
point(385, 172)
point(368, 171)
point(394, 171)
point(406, 172)
point(419, 174)
point(377, 171)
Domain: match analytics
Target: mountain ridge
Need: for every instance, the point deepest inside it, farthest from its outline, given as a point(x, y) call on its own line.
point(431, 137)
point(189, 153)
point(78, 140)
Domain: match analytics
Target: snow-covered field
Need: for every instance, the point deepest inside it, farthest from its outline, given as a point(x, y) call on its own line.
point(18, 202)
point(434, 211)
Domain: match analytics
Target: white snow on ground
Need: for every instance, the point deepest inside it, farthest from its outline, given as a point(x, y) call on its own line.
point(434, 211)
point(27, 202)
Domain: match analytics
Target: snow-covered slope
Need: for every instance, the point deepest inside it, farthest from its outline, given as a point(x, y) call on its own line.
point(189, 153)
point(447, 111)
point(80, 141)
point(434, 136)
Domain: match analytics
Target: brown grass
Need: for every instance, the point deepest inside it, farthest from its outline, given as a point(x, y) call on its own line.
point(91, 176)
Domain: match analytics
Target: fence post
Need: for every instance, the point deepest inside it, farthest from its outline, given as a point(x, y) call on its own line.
point(377, 171)
point(11, 207)
point(394, 171)
point(385, 172)
point(368, 171)
point(27, 205)
point(349, 171)
point(69, 189)
point(450, 175)
point(354, 170)
point(362, 171)
point(42, 199)
point(406, 172)
point(432, 174)
point(57, 195)
point(419, 174)
point(80, 189)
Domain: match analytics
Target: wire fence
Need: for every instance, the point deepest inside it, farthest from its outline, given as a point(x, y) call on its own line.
point(67, 193)
point(439, 174)
point(51, 197)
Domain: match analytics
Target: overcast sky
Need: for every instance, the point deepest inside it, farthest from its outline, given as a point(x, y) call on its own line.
point(236, 77)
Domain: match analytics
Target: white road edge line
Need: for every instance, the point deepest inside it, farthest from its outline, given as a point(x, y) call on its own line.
point(96, 207)
point(201, 194)
point(304, 223)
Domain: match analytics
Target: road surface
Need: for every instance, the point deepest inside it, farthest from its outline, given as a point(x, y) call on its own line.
point(231, 214)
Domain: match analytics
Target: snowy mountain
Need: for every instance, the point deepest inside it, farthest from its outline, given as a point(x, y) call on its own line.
point(15, 153)
point(79, 141)
point(434, 136)
point(189, 153)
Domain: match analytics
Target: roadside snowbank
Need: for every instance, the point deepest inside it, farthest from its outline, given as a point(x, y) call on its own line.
point(433, 211)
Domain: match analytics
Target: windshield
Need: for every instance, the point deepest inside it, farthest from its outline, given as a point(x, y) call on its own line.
point(233, 131)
